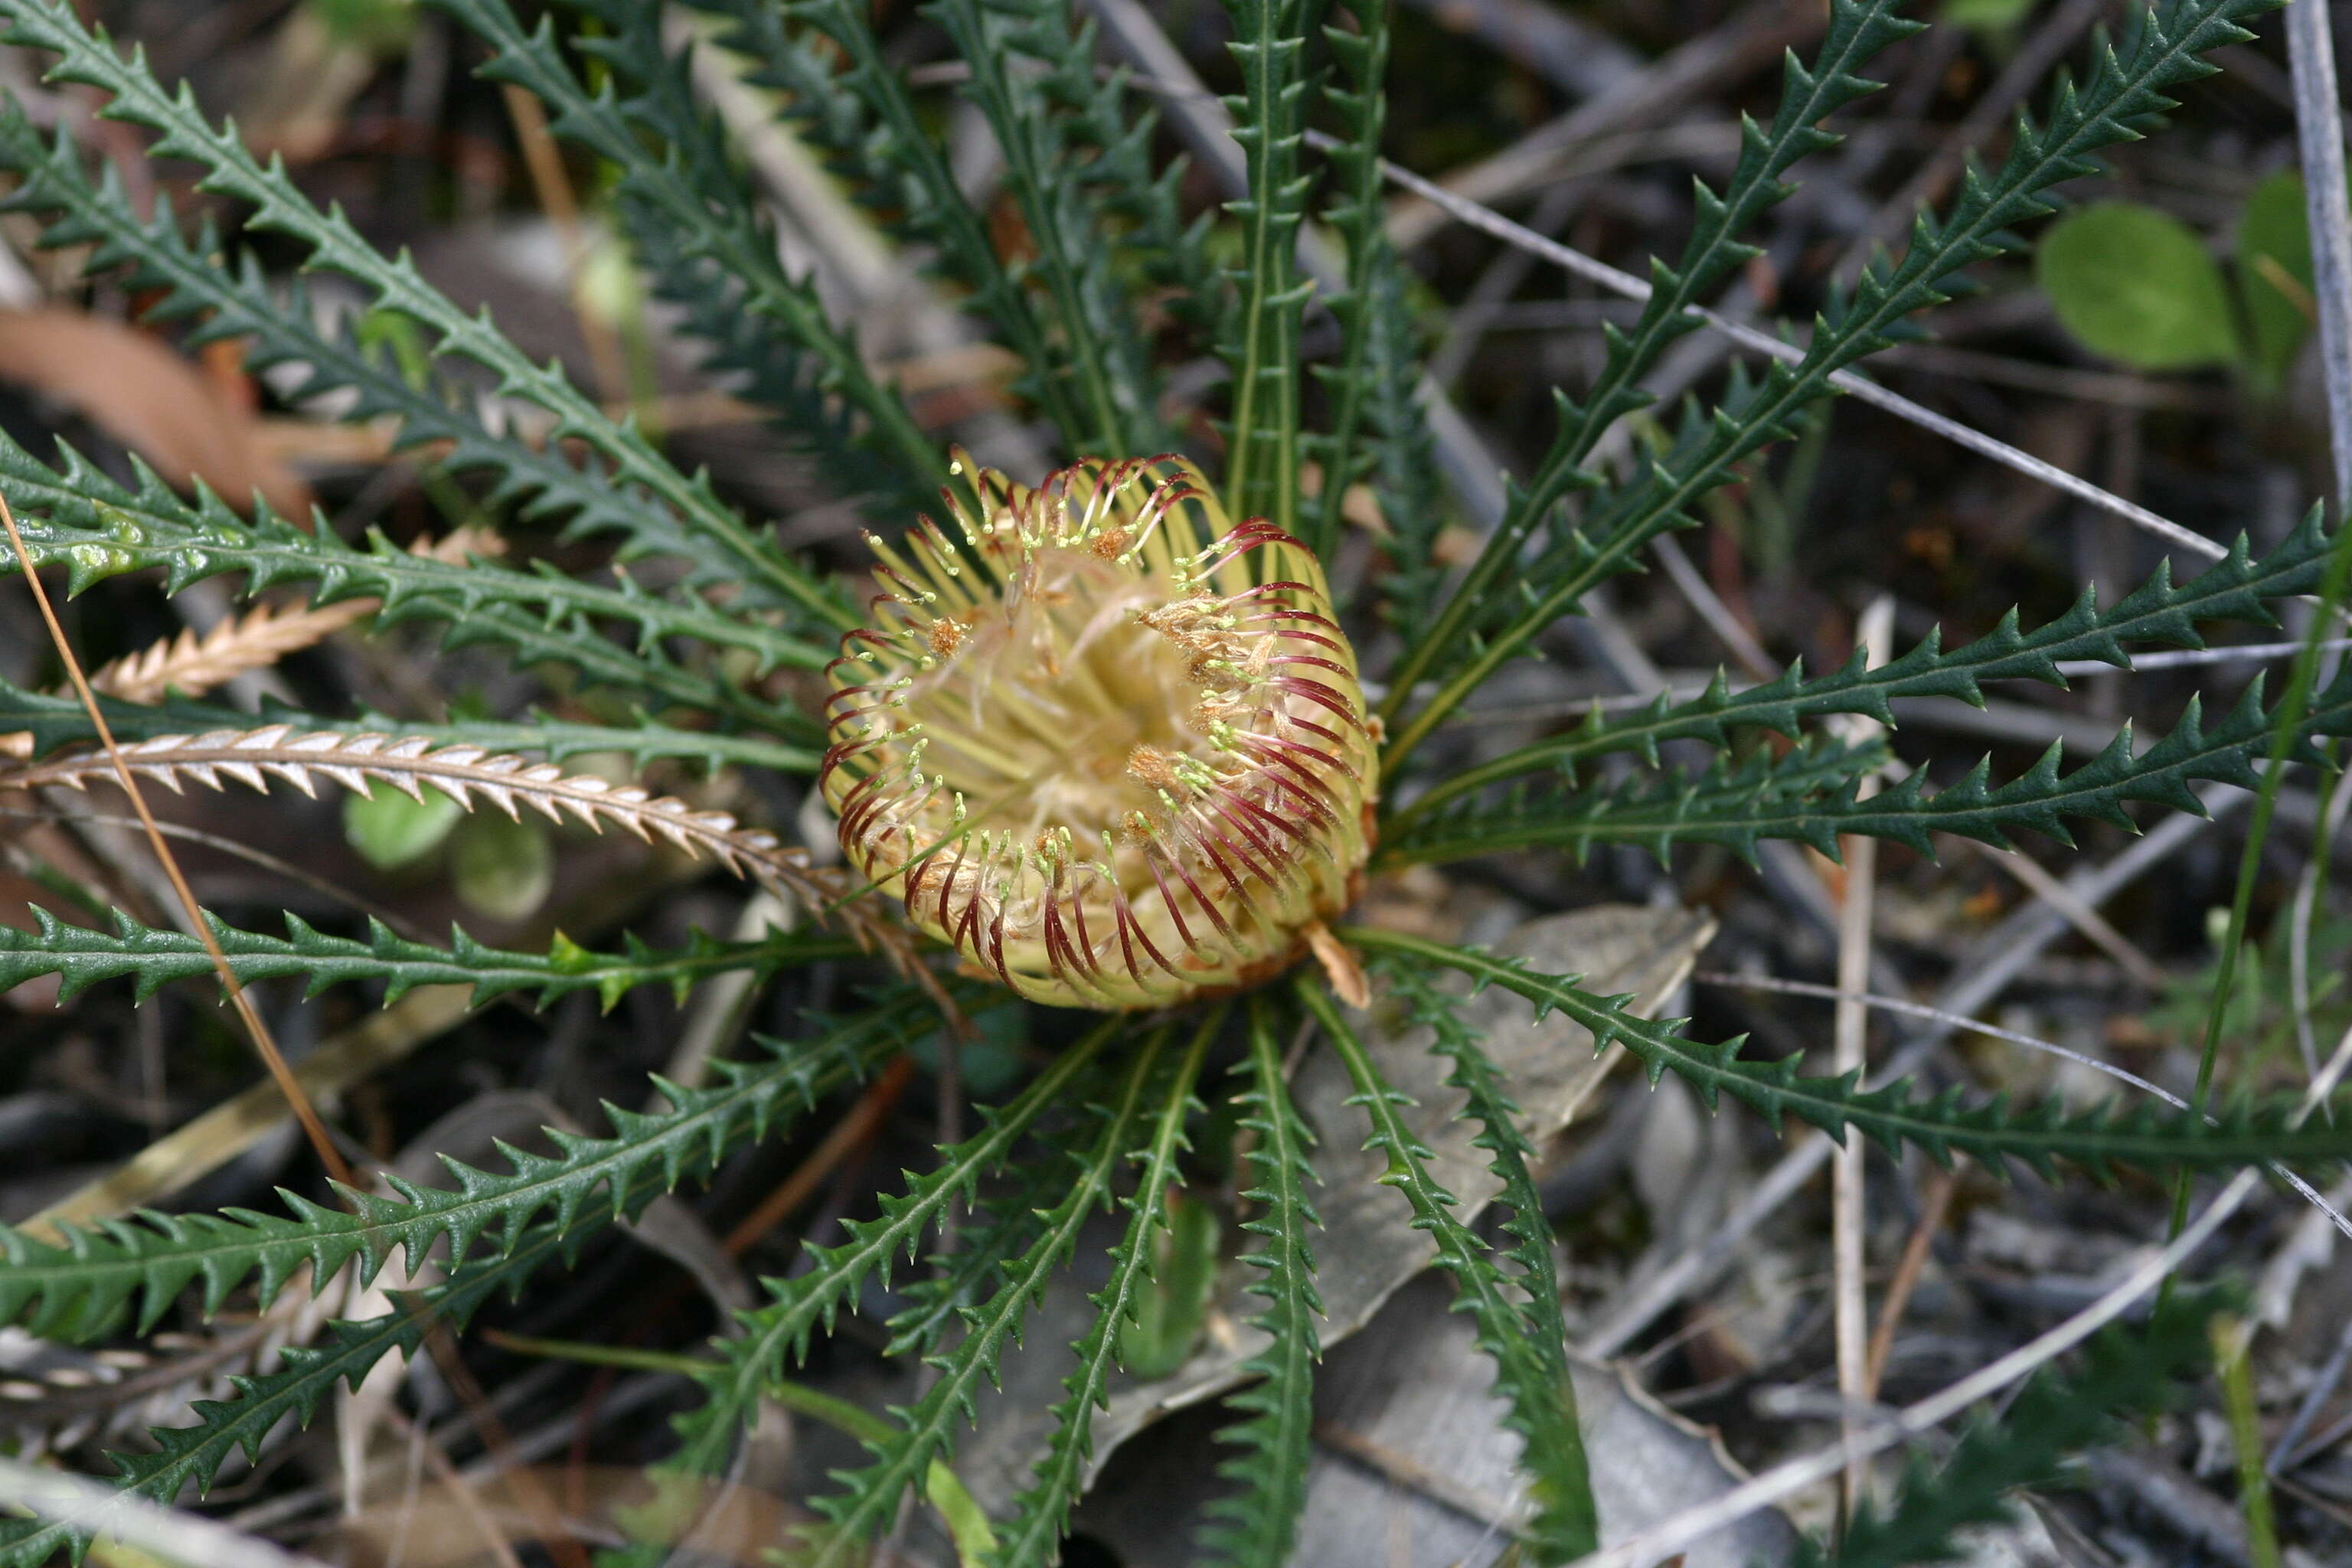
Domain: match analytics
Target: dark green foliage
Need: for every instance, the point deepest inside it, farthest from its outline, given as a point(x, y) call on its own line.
point(859, 113)
point(1261, 340)
point(1104, 373)
point(777, 1334)
point(1810, 795)
point(153, 958)
point(926, 1430)
point(1720, 804)
point(89, 1285)
point(2100, 1140)
point(1255, 1527)
point(2120, 100)
point(2126, 1374)
point(1858, 30)
point(1490, 1104)
point(1033, 1533)
point(1372, 387)
point(1091, 221)
point(225, 303)
point(2238, 587)
point(757, 333)
point(96, 529)
point(710, 239)
point(1001, 1226)
point(1403, 475)
point(707, 529)
point(187, 1456)
point(1530, 1363)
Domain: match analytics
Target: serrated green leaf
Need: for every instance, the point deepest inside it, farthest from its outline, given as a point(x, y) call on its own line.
point(151, 957)
point(1032, 1534)
point(2100, 1140)
point(1477, 1075)
point(644, 498)
point(82, 1284)
point(778, 1333)
point(1374, 386)
point(1261, 342)
point(1257, 1526)
point(870, 1497)
point(2239, 587)
point(1172, 1310)
point(1857, 31)
point(189, 1457)
point(2128, 1372)
point(1530, 1363)
point(1811, 793)
point(2124, 95)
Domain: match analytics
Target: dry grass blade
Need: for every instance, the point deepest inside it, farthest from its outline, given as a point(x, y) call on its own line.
point(226, 1131)
point(2005, 954)
point(110, 759)
point(1783, 1481)
point(2330, 1211)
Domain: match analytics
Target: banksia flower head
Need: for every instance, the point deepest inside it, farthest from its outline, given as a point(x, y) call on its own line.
point(1110, 746)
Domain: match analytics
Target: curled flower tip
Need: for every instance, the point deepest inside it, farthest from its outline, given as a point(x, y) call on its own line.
point(1108, 745)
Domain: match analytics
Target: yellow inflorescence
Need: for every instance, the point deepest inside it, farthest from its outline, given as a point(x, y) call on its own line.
point(1110, 746)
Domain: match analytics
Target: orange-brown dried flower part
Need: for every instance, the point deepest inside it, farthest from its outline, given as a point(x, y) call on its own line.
point(1108, 745)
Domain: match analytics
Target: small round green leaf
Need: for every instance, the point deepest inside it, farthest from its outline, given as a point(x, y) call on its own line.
point(380, 27)
point(1984, 15)
point(2274, 273)
point(390, 830)
point(2136, 285)
point(504, 867)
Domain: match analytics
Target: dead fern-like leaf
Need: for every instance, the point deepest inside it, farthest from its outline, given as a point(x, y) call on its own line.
point(194, 664)
point(465, 774)
point(360, 762)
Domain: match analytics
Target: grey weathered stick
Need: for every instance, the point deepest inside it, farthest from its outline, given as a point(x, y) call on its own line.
point(2311, 55)
point(2331, 1212)
point(2012, 946)
point(1652, 1545)
point(1572, 54)
point(167, 1534)
point(1781, 1481)
point(1749, 40)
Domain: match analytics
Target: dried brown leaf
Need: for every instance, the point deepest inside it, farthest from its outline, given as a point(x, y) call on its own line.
point(134, 386)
